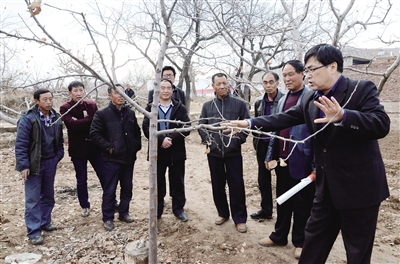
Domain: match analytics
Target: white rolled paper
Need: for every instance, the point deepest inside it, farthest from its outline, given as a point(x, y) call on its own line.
point(295, 189)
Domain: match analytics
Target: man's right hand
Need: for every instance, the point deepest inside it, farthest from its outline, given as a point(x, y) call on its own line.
point(25, 174)
point(266, 165)
point(167, 143)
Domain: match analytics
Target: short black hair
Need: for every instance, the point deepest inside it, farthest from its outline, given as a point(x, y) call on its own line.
point(37, 93)
point(220, 74)
point(116, 85)
point(276, 76)
point(75, 84)
point(168, 68)
point(326, 54)
point(166, 80)
point(296, 64)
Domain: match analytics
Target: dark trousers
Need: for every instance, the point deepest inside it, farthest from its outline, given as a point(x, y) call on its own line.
point(39, 197)
point(176, 175)
point(356, 225)
point(80, 165)
point(115, 172)
point(298, 206)
point(228, 170)
point(264, 178)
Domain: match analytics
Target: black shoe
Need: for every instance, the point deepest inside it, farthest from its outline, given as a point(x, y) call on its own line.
point(183, 217)
point(260, 215)
point(36, 240)
point(108, 225)
point(50, 228)
point(126, 219)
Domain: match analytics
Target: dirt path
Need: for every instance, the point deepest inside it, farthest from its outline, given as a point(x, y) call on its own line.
point(83, 240)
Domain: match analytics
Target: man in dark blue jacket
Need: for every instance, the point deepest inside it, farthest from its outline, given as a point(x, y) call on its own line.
point(116, 132)
point(38, 149)
point(298, 165)
point(225, 155)
point(171, 150)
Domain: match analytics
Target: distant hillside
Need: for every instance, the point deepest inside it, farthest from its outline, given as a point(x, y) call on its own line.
point(391, 91)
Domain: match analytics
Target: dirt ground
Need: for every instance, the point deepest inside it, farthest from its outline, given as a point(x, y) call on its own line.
point(84, 240)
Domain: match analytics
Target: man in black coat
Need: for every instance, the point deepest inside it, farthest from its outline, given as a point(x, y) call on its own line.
point(171, 150)
point(129, 92)
point(265, 105)
point(116, 133)
point(350, 174)
point(225, 154)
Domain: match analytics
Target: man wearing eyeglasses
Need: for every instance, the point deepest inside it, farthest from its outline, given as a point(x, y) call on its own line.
point(169, 73)
point(350, 174)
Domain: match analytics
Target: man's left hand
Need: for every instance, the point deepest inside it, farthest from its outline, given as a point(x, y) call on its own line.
point(330, 109)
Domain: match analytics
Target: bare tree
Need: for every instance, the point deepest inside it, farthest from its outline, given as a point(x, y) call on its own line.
point(255, 37)
point(190, 32)
point(296, 22)
point(376, 15)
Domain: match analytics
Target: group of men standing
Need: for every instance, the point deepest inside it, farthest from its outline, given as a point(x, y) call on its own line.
point(344, 158)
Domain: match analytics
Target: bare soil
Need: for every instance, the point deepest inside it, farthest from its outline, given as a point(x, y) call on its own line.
point(84, 240)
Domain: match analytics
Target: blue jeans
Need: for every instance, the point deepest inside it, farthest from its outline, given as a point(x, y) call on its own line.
point(115, 172)
point(39, 197)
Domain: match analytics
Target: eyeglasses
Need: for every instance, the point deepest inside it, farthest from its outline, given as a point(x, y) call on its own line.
point(167, 75)
point(307, 71)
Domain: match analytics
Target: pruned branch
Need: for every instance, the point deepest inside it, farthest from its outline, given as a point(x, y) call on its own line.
point(9, 109)
point(363, 71)
point(8, 119)
point(387, 73)
point(53, 79)
point(97, 49)
point(77, 103)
